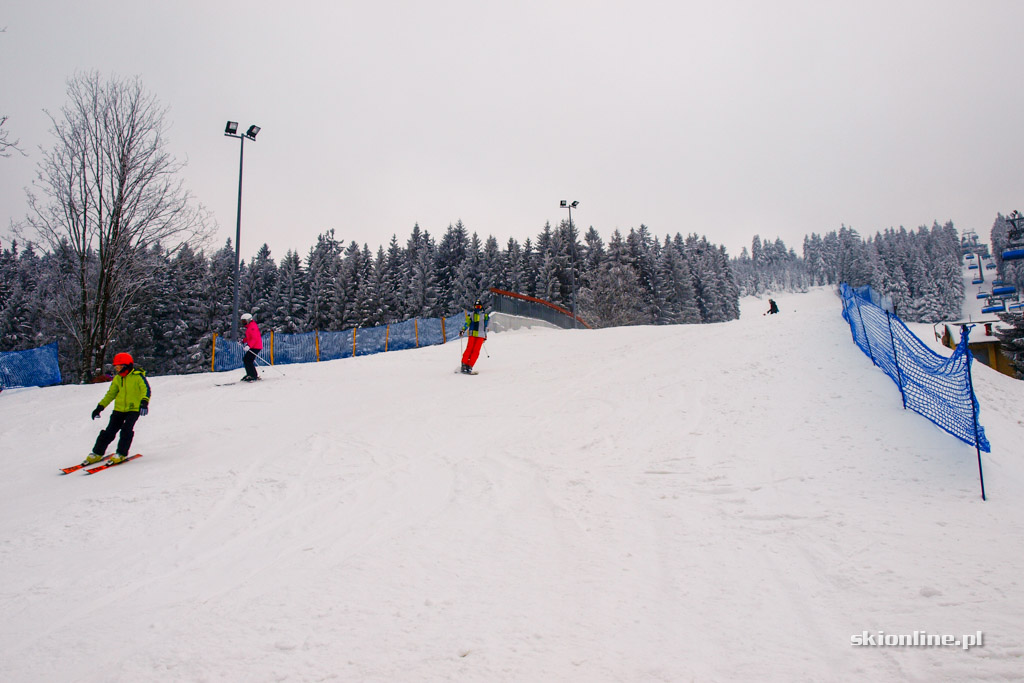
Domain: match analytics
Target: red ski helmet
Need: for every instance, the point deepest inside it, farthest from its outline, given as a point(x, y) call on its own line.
point(123, 359)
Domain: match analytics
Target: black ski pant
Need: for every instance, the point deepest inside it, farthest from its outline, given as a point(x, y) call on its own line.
point(119, 422)
point(250, 363)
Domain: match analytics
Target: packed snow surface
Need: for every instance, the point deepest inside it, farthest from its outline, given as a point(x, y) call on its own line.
point(729, 502)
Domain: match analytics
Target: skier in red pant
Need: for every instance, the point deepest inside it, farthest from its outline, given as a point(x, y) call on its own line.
point(476, 326)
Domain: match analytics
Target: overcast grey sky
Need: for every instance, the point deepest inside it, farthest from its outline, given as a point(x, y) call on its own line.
point(722, 118)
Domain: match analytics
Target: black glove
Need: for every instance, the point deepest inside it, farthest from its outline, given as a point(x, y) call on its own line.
point(144, 408)
point(462, 332)
point(96, 412)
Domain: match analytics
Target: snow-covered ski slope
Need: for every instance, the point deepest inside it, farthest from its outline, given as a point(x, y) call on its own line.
point(729, 502)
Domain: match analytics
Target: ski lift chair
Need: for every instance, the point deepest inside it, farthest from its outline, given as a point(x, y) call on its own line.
point(1015, 238)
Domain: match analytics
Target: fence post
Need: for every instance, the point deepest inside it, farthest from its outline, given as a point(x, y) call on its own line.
point(444, 335)
point(974, 406)
point(896, 359)
point(271, 347)
point(387, 337)
point(416, 327)
point(213, 354)
point(354, 341)
point(316, 338)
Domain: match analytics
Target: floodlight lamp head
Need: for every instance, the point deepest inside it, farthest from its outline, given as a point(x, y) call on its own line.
point(564, 204)
point(231, 128)
point(251, 133)
point(574, 204)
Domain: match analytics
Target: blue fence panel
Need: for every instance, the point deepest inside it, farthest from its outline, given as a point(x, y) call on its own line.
point(227, 355)
point(371, 340)
point(430, 332)
point(31, 368)
point(402, 336)
point(452, 326)
point(335, 345)
point(294, 348)
point(932, 385)
point(301, 348)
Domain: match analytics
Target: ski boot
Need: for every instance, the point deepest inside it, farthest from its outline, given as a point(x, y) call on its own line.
point(118, 458)
point(466, 369)
point(91, 459)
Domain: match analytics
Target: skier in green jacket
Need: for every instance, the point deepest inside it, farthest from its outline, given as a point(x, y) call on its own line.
point(130, 393)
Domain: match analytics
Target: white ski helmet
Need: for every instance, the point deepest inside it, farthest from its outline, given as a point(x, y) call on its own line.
point(247, 316)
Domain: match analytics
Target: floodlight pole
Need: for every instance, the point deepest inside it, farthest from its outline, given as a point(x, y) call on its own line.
point(251, 134)
point(572, 258)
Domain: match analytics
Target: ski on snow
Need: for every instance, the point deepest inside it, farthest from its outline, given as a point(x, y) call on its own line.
point(75, 468)
point(94, 470)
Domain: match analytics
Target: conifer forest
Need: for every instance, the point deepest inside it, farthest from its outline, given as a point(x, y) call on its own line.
point(635, 279)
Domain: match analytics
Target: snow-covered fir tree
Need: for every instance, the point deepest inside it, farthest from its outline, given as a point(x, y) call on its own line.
point(290, 298)
point(635, 279)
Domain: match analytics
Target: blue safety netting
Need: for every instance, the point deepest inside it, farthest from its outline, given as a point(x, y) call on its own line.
point(227, 354)
point(294, 348)
point(402, 336)
point(439, 330)
point(32, 368)
point(371, 340)
point(302, 348)
point(937, 387)
point(335, 345)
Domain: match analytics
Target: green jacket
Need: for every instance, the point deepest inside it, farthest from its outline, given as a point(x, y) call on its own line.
point(476, 324)
point(127, 392)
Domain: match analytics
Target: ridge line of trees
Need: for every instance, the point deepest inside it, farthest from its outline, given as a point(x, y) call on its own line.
point(920, 269)
point(186, 296)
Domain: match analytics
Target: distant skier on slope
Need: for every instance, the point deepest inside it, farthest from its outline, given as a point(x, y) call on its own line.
point(130, 392)
point(476, 326)
point(773, 308)
point(252, 342)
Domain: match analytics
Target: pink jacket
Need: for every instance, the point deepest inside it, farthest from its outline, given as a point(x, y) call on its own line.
point(252, 336)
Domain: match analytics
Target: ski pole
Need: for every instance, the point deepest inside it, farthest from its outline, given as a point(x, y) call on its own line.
point(270, 365)
point(257, 357)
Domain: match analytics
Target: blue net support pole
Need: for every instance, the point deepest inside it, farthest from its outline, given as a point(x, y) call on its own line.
point(974, 411)
point(896, 360)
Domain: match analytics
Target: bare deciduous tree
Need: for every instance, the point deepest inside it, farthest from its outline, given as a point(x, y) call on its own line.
point(7, 145)
point(107, 191)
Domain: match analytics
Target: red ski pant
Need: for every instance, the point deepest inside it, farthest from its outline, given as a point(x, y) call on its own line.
point(472, 351)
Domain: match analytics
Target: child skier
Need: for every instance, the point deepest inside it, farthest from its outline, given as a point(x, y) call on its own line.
point(130, 393)
point(252, 342)
point(476, 325)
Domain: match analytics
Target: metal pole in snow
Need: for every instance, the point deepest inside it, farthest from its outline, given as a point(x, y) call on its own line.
point(974, 409)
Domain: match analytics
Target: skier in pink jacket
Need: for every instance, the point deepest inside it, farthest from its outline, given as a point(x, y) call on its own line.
point(252, 342)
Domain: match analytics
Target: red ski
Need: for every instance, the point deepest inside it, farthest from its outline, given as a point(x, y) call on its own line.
point(93, 470)
point(75, 468)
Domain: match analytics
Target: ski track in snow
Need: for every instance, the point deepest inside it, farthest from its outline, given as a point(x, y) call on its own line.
point(721, 502)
